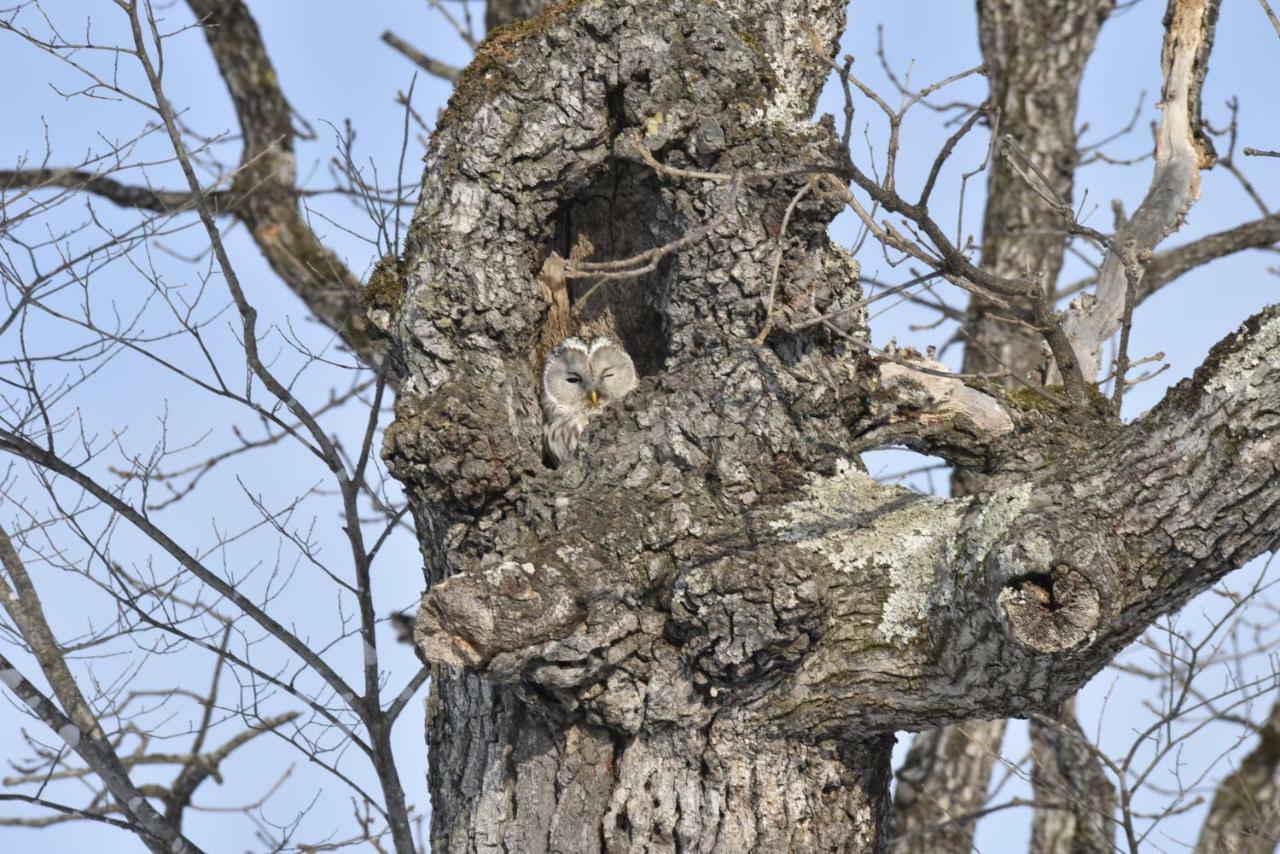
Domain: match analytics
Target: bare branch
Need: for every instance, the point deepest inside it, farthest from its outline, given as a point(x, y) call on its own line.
point(264, 187)
point(142, 198)
point(1170, 265)
point(156, 833)
point(443, 70)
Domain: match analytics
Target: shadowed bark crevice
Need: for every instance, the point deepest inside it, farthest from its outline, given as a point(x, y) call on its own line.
point(621, 215)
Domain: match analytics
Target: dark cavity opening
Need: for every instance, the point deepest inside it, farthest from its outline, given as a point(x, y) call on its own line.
point(620, 215)
point(1036, 588)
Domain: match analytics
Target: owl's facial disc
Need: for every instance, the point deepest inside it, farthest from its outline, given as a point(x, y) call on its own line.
point(585, 388)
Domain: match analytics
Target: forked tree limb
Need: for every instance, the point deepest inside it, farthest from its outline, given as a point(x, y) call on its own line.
point(265, 185)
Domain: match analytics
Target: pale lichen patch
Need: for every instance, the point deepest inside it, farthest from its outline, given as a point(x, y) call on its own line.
point(990, 522)
point(860, 526)
point(1235, 377)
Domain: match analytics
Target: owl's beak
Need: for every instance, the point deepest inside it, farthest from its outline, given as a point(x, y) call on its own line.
point(594, 397)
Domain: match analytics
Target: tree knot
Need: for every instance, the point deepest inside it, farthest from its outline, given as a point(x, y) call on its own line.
point(1050, 611)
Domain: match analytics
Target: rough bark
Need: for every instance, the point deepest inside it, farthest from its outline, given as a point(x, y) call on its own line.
point(524, 164)
point(941, 786)
point(1075, 801)
point(1244, 817)
point(500, 12)
point(703, 634)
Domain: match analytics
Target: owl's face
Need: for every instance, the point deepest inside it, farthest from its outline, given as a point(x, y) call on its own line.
point(582, 378)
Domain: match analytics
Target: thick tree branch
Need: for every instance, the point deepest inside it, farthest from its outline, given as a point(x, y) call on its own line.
point(264, 189)
point(1061, 589)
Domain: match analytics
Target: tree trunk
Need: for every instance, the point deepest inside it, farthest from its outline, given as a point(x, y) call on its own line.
point(1244, 816)
point(505, 778)
point(699, 88)
point(941, 786)
point(1036, 53)
point(1075, 802)
point(714, 576)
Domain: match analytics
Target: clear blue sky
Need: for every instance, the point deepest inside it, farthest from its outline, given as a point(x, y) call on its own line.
point(334, 68)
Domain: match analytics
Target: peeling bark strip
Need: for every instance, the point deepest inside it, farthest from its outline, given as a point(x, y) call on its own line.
point(702, 634)
point(1182, 150)
point(928, 410)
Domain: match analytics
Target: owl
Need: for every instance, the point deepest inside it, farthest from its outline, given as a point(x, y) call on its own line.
point(580, 379)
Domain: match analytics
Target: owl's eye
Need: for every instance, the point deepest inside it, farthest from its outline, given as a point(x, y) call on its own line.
point(574, 378)
point(606, 375)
